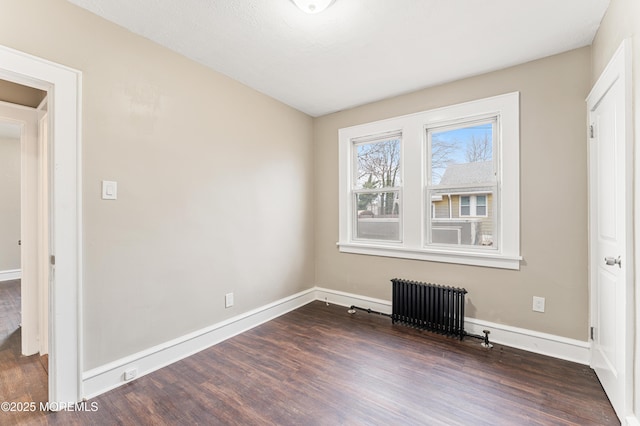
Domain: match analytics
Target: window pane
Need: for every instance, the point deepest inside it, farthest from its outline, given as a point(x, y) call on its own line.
point(462, 165)
point(378, 164)
point(465, 206)
point(378, 216)
point(481, 205)
point(473, 226)
point(462, 156)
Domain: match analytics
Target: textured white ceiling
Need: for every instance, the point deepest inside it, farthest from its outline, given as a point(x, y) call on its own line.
point(357, 51)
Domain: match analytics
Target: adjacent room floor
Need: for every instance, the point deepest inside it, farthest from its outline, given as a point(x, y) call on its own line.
point(319, 365)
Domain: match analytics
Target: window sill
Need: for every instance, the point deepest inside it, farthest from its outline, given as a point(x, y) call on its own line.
point(489, 260)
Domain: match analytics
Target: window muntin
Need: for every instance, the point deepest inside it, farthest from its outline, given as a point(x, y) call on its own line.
point(462, 179)
point(376, 187)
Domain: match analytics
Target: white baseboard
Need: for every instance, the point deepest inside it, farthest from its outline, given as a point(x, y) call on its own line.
point(632, 420)
point(528, 340)
point(10, 274)
point(341, 298)
point(532, 341)
point(110, 376)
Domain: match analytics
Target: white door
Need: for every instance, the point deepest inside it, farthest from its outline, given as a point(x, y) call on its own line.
point(610, 234)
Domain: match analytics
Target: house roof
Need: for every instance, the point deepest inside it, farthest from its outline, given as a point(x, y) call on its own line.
point(468, 173)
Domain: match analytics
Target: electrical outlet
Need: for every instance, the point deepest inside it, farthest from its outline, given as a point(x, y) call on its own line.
point(538, 304)
point(130, 374)
point(228, 300)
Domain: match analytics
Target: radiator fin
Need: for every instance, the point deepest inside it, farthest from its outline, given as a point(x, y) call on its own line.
point(430, 307)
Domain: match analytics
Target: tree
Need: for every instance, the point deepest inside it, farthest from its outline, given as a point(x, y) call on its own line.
point(379, 164)
point(479, 149)
point(442, 153)
point(364, 200)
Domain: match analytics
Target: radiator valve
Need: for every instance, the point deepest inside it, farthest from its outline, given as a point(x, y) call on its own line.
point(486, 343)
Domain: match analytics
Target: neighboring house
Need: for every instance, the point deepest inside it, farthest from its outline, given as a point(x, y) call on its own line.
point(462, 208)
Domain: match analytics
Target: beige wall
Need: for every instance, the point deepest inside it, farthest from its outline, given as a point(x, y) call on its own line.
point(622, 21)
point(214, 180)
point(216, 189)
point(553, 201)
point(9, 203)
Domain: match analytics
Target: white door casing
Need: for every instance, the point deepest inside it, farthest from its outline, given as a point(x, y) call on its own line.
point(43, 227)
point(63, 86)
point(610, 230)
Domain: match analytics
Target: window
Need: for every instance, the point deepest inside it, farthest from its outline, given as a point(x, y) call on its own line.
point(465, 205)
point(440, 185)
point(481, 205)
point(462, 164)
point(376, 188)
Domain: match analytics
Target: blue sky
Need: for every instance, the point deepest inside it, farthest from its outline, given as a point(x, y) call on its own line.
point(461, 137)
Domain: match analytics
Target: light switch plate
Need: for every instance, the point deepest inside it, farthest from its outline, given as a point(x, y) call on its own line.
point(109, 190)
point(538, 304)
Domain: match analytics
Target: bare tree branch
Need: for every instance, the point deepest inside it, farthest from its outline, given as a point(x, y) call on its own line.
point(479, 149)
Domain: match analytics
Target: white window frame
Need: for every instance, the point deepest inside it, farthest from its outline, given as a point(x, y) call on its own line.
point(414, 213)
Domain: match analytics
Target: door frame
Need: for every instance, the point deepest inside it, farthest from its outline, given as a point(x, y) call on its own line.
point(43, 225)
point(618, 69)
point(64, 87)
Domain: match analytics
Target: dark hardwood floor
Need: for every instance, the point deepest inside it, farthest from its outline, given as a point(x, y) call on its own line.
point(21, 378)
point(319, 365)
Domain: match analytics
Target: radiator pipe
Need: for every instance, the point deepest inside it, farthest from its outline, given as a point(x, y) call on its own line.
point(485, 338)
point(352, 310)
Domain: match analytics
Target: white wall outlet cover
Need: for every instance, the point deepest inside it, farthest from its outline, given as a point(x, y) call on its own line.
point(109, 190)
point(131, 374)
point(228, 300)
point(538, 304)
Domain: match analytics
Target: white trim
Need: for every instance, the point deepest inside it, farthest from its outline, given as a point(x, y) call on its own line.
point(342, 298)
point(413, 218)
point(64, 87)
point(520, 338)
point(632, 420)
point(111, 375)
point(488, 259)
point(10, 274)
point(532, 341)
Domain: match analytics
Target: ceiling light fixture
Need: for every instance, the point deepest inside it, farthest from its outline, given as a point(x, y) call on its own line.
point(312, 6)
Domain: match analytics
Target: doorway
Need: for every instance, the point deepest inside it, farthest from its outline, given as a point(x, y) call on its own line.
point(63, 87)
point(23, 241)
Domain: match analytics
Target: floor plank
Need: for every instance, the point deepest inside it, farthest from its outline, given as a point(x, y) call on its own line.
point(319, 365)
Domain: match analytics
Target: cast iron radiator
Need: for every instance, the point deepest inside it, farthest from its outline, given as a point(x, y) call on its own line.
point(429, 307)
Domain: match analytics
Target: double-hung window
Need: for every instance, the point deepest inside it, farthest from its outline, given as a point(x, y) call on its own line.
point(440, 185)
point(376, 188)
